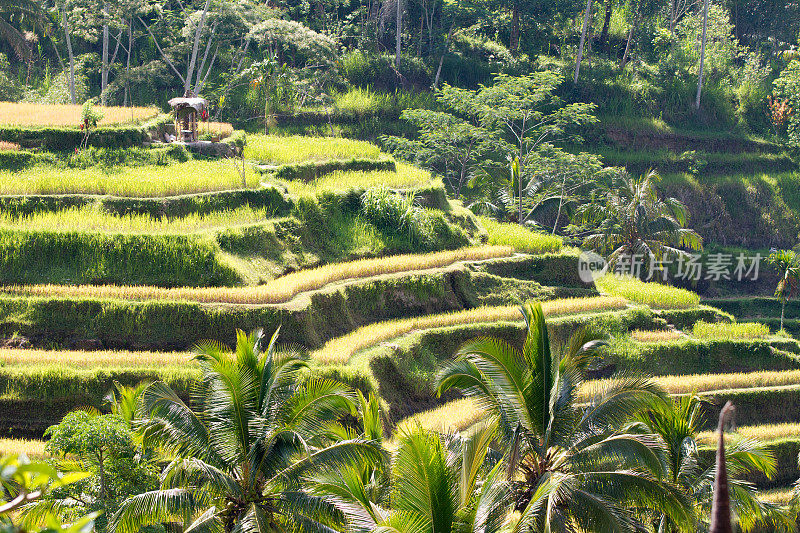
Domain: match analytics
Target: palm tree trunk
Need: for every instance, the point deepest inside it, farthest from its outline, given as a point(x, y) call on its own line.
point(586, 18)
point(783, 308)
point(702, 56)
point(721, 505)
point(71, 54)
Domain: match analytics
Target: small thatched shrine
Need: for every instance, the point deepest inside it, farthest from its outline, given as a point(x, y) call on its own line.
point(188, 109)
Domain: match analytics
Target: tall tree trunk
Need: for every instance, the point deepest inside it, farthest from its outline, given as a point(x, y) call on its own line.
point(71, 54)
point(398, 32)
point(702, 56)
point(783, 308)
point(514, 40)
point(205, 58)
point(446, 46)
point(606, 25)
point(630, 38)
point(587, 16)
point(104, 67)
point(187, 81)
point(128, 62)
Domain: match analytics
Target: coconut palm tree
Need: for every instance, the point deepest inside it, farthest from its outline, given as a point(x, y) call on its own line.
point(239, 458)
point(634, 222)
point(678, 422)
point(571, 467)
point(787, 263)
point(438, 484)
point(13, 36)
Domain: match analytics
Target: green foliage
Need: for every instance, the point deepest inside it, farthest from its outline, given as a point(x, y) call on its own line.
point(24, 482)
point(90, 115)
point(256, 433)
point(785, 89)
point(787, 263)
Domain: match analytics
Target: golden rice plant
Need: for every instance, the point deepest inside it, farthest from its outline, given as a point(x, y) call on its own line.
point(764, 433)
point(142, 181)
point(27, 114)
point(729, 330)
point(339, 350)
point(406, 177)
point(657, 335)
point(34, 449)
point(777, 496)
point(93, 218)
point(93, 359)
point(655, 295)
point(711, 382)
point(6, 146)
point(279, 290)
point(281, 150)
point(453, 416)
point(520, 238)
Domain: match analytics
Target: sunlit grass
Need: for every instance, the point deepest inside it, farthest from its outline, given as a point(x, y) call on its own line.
point(406, 177)
point(777, 496)
point(34, 449)
point(142, 181)
point(712, 382)
point(659, 335)
point(27, 114)
point(732, 330)
point(655, 295)
point(279, 290)
point(764, 433)
point(6, 146)
point(93, 359)
point(453, 416)
point(340, 350)
point(90, 218)
point(281, 150)
point(520, 238)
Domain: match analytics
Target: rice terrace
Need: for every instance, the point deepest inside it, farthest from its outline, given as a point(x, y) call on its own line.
point(399, 266)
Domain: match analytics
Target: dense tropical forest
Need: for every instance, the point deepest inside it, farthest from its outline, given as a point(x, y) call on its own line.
point(399, 266)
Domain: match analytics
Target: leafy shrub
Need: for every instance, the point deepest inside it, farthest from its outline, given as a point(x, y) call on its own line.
point(392, 212)
point(294, 43)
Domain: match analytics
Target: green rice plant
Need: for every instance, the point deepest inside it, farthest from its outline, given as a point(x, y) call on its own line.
point(339, 350)
point(363, 101)
point(83, 257)
point(142, 181)
point(520, 238)
point(281, 150)
point(655, 295)
point(92, 218)
point(405, 177)
point(279, 290)
point(730, 330)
